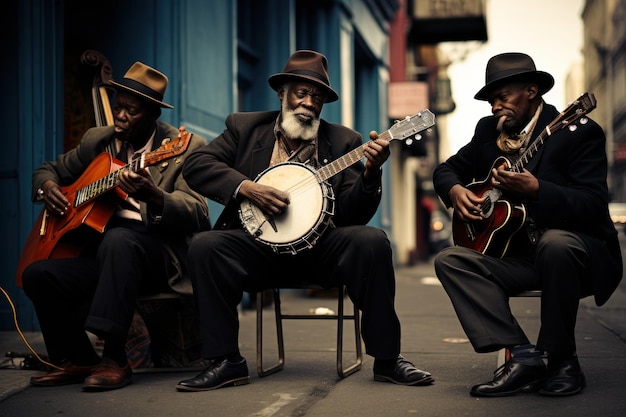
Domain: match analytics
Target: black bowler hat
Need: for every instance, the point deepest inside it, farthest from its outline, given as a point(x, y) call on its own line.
point(144, 81)
point(512, 67)
point(309, 66)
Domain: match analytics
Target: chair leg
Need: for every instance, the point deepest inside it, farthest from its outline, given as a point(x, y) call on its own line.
point(356, 365)
point(259, 335)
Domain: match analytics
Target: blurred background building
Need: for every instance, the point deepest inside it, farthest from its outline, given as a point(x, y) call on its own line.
point(604, 73)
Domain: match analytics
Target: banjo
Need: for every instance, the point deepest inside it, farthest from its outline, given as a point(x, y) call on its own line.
point(312, 200)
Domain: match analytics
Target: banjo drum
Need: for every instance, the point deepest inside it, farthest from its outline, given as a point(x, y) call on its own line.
point(311, 207)
point(312, 200)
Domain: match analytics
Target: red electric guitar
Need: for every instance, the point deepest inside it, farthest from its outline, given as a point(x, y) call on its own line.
point(93, 198)
point(501, 218)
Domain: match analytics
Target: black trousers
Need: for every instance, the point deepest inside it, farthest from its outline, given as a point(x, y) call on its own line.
point(224, 264)
point(96, 293)
point(479, 287)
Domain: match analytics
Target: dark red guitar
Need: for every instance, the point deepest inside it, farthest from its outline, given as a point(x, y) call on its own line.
point(501, 218)
point(93, 198)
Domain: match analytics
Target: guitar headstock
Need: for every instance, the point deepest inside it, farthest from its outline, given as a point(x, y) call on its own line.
point(412, 125)
point(574, 111)
point(169, 148)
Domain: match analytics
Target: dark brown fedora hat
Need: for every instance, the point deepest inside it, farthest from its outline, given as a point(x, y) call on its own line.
point(310, 66)
point(145, 82)
point(512, 67)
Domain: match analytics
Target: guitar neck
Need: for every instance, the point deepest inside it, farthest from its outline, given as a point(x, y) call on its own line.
point(104, 184)
point(534, 147)
point(575, 111)
point(347, 160)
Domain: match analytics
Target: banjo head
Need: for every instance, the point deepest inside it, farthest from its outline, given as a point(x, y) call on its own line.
point(307, 216)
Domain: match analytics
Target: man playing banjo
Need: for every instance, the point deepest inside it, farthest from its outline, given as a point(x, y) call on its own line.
point(339, 249)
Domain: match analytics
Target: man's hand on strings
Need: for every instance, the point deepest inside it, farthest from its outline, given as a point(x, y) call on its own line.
point(523, 183)
point(140, 186)
point(467, 205)
point(270, 200)
point(55, 201)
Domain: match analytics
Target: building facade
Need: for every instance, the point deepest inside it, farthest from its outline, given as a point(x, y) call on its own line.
point(604, 52)
point(217, 55)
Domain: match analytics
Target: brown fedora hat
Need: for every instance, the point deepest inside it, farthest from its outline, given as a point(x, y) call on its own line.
point(145, 82)
point(512, 67)
point(310, 66)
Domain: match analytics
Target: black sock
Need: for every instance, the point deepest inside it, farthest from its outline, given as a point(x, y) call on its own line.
point(115, 350)
point(527, 355)
point(381, 364)
point(234, 357)
point(556, 358)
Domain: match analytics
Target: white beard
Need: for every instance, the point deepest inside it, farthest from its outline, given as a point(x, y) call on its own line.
point(294, 128)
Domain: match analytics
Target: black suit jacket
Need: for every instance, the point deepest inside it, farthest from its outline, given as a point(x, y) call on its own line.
point(244, 150)
point(573, 194)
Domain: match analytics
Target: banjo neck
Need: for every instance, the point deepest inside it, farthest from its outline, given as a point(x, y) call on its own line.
point(406, 128)
point(347, 160)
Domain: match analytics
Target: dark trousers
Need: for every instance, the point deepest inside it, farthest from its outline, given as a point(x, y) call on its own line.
point(224, 264)
point(95, 293)
point(479, 287)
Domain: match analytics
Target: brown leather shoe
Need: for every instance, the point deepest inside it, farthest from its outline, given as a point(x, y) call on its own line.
point(107, 376)
point(70, 374)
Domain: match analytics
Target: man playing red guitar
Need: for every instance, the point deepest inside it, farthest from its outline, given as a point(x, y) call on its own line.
point(550, 172)
point(143, 245)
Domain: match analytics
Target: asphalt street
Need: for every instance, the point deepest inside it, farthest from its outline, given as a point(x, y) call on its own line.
point(309, 385)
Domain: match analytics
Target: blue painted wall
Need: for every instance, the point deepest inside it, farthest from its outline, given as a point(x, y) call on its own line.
point(216, 54)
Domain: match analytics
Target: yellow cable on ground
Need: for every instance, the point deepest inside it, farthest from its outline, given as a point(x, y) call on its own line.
point(19, 331)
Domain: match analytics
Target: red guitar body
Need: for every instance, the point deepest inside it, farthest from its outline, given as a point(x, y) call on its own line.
point(93, 198)
point(501, 220)
point(493, 235)
point(66, 236)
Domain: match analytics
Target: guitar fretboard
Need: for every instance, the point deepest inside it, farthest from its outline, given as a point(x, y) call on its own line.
point(575, 111)
point(534, 147)
point(104, 184)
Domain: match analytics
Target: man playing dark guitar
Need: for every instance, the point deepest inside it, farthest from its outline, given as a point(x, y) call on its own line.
point(538, 220)
point(229, 259)
point(144, 239)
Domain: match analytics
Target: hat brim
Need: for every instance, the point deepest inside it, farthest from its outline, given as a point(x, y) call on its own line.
point(140, 94)
point(276, 81)
point(544, 81)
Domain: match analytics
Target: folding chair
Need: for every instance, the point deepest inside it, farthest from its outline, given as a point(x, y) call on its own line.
point(280, 316)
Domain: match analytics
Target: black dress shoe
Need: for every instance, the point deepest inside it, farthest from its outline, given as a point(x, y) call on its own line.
point(565, 378)
point(511, 378)
point(401, 372)
point(219, 373)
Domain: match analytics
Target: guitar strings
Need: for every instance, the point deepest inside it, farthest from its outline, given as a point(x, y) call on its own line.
point(305, 183)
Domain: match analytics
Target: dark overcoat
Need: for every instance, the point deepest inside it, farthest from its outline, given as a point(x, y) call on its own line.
point(571, 168)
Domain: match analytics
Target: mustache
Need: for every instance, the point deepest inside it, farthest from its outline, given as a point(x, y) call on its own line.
point(303, 112)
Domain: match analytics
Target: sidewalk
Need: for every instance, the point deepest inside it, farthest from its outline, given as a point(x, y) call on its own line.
point(309, 385)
